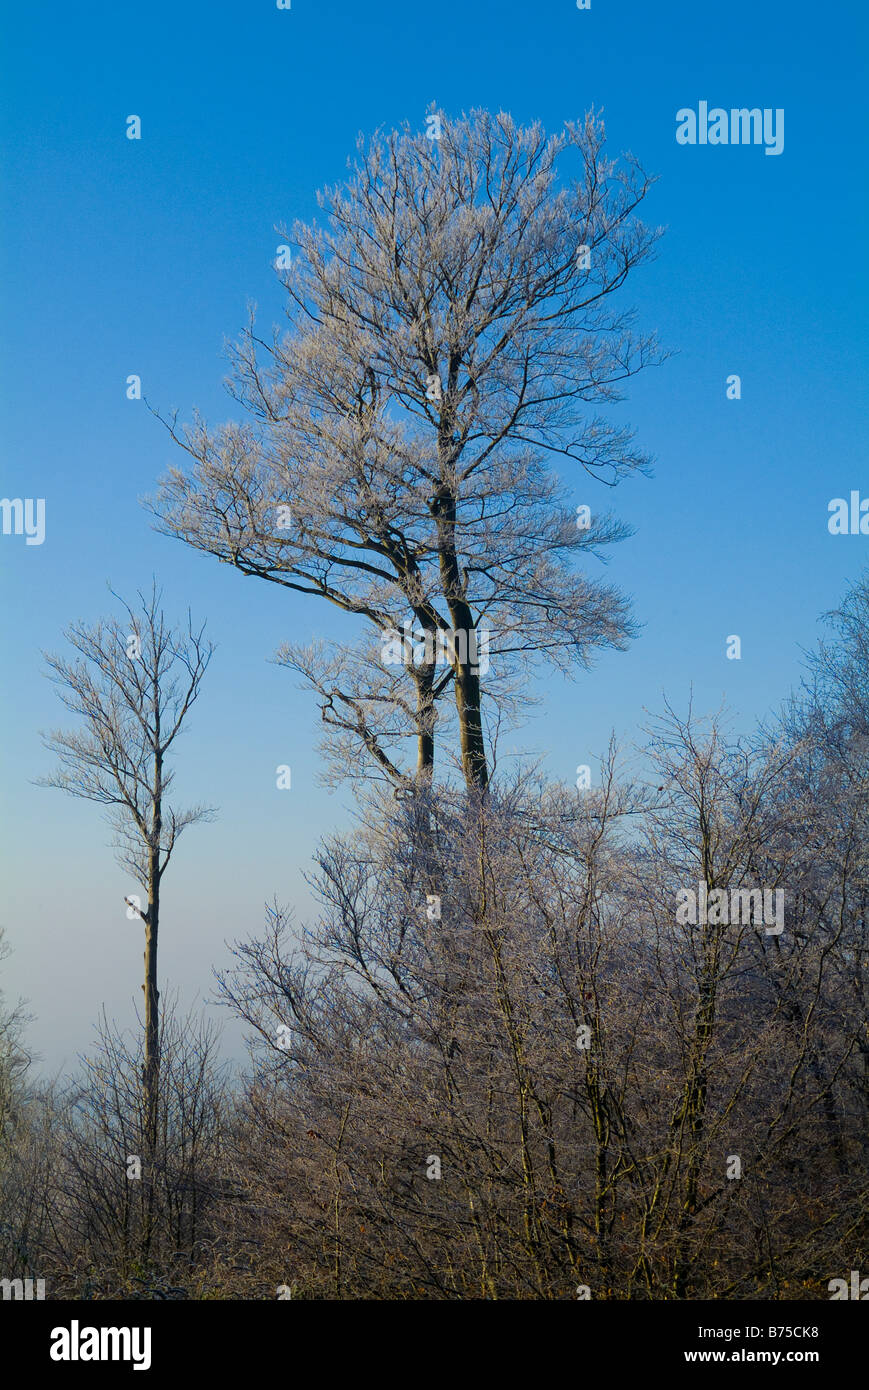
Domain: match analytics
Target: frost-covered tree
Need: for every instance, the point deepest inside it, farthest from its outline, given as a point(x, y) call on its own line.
point(455, 327)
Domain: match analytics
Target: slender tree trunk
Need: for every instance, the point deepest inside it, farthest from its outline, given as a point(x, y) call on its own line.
point(152, 998)
point(151, 1069)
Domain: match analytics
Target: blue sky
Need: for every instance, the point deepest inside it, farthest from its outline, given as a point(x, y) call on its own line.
point(124, 257)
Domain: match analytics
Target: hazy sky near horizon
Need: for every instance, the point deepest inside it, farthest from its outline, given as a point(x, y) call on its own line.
point(123, 257)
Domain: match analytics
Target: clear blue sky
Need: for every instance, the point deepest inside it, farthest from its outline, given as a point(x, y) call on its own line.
point(124, 257)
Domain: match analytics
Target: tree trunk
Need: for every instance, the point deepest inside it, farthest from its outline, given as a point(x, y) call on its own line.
point(425, 709)
point(151, 1069)
point(473, 746)
point(467, 682)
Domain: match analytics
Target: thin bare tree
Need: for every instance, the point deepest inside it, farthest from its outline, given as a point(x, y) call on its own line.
point(132, 685)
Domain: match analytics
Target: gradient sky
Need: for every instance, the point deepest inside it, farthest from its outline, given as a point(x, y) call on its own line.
point(124, 257)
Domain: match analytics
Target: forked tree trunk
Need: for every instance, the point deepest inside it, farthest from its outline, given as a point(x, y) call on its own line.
point(467, 679)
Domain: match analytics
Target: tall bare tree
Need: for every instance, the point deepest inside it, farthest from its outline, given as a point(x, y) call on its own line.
point(132, 685)
point(452, 330)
